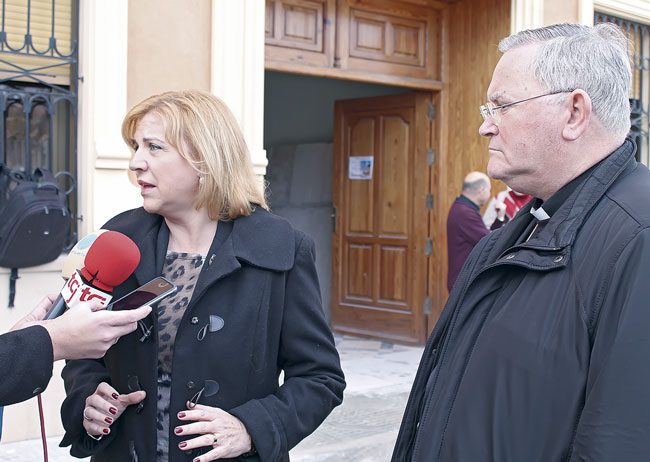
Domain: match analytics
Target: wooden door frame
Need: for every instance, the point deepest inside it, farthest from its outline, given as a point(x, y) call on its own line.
point(421, 156)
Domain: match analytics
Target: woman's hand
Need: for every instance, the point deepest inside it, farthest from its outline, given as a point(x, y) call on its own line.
point(224, 432)
point(105, 406)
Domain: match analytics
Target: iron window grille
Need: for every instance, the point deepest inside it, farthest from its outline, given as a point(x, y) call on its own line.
point(639, 35)
point(38, 87)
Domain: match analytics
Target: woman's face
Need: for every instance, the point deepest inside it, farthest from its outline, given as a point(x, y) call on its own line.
point(168, 183)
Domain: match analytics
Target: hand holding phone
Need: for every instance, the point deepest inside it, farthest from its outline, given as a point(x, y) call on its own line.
point(147, 294)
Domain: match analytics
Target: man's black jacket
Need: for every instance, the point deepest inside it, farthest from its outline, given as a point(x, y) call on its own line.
point(543, 349)
point(26, 362)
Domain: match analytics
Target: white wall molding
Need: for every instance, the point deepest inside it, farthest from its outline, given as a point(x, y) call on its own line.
point(634, 10)
point(526, 14)
point(102, 155)
point(105, 188)
point(237, 75)
point(586, 12)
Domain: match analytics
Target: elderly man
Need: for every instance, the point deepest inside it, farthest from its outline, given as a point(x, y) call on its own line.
point(543, 349)
point(465, 226)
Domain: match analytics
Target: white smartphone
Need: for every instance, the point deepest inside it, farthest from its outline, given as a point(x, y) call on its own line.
point(147, 294)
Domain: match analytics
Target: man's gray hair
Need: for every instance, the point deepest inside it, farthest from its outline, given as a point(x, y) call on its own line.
point(594, 59)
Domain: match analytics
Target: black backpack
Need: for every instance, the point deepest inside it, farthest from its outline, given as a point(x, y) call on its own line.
point(34, 220)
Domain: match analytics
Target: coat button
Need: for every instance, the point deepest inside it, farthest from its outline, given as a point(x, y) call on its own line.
point(37, 390)
point(190, 385)
point(510, 256)
point(558, 259)
point(194, 320)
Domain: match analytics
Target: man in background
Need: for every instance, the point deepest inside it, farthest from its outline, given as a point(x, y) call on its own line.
point(465, 226)
point(513, 202)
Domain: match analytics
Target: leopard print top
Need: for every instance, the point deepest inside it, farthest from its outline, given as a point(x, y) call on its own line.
point(183, 270)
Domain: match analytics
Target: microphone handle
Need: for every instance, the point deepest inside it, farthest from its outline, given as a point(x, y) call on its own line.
point(57, 309)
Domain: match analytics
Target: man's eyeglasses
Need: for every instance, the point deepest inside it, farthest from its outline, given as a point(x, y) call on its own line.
point(492, 113)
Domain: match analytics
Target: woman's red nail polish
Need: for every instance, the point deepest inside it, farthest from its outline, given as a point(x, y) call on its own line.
point(197, 460)
point(182, 444)
point(106, 430)
point(113, 411)
point(108, 420)
point(178, 430)
point(181, 415)
point(115, 395)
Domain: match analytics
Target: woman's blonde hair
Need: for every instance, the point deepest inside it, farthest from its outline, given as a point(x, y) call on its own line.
point(204, 131)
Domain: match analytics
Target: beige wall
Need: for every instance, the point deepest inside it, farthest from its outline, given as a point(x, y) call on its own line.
point(168, 48)
point(559, 11)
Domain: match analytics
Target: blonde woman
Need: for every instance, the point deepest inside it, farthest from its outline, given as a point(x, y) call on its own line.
point(199, 380)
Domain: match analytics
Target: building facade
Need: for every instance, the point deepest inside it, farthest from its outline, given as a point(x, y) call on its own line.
point(362, 115)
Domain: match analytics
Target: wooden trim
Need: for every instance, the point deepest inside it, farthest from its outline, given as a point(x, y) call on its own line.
point(342, 74)
point(429, 3)
point(633, 10)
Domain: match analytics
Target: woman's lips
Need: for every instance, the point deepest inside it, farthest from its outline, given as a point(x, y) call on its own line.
point(144, 186)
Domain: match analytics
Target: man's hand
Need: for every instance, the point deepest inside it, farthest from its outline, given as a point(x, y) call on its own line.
point(500, 207)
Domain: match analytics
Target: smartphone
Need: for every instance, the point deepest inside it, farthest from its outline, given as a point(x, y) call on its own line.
point(147, 294)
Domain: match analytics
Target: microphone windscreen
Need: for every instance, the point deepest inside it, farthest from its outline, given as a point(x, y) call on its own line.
point(75, 259)
point(110, 260)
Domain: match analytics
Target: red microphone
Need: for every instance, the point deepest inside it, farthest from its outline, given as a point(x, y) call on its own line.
point(110, 260)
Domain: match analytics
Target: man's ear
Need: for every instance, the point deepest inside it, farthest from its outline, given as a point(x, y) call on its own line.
point(579, 115)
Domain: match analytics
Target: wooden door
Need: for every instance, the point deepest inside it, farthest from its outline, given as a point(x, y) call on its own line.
point(379, 260)
point(387, 37)
point(300, 32)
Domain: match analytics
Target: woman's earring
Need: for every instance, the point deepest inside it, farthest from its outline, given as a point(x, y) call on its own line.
point(201, 179)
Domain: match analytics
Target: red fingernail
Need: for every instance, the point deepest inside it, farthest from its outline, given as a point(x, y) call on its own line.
point(115, 395)
point(178, 430)
point(108, 420)
point(106, 430)
point(182, 444)
point(197, 460)
point(113, 411)
point(181, 415)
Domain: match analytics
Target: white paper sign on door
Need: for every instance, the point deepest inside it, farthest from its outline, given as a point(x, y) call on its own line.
point(360, 167)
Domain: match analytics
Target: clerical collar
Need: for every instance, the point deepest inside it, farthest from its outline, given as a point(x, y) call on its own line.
point(542, 214)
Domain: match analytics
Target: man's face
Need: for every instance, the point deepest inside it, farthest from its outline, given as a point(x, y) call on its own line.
point(523, 146)
point(485, 194)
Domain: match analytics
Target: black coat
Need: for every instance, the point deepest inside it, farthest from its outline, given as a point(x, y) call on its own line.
point(26, 361)
point(542, 352)
point(262, 281)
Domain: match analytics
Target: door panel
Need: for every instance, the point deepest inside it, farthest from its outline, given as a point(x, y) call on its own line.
point(300, 31)
point(379, 265)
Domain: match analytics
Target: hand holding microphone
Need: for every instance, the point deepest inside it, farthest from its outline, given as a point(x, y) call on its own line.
point(86, 330)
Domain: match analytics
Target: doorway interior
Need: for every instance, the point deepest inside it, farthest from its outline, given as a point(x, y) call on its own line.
point(298, 138)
